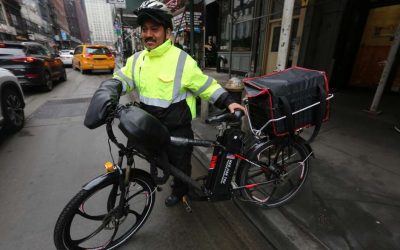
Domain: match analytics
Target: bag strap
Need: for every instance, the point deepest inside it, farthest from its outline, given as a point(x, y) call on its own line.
point(319, 113)
point(287, 111)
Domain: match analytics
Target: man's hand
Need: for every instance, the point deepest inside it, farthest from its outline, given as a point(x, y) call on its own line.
point(234, 106)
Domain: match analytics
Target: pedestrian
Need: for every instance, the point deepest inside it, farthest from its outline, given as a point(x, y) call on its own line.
point(167, 81)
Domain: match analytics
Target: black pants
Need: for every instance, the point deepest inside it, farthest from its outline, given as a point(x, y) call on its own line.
point(180, 157)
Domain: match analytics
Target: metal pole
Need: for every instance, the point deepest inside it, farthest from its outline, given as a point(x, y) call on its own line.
point(230, 40)
point(284, 39)
point(386, 71)
point(122, 37)
point(191, 7)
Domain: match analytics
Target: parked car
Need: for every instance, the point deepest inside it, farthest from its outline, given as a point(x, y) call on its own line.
point(66, 56)
point(93, 57)
point(32, 63)
point(12, 102)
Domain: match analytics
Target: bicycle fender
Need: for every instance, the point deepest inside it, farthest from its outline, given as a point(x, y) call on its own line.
point(107, 176)
point(99, 179)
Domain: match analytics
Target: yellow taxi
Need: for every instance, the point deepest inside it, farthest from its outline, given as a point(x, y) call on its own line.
point(93, 57)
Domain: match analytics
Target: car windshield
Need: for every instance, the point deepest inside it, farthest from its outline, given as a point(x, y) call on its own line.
point(97, 51)
point(66, 51)
point(12, 52)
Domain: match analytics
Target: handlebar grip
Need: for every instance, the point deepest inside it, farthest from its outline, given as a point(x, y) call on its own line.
point(226, 117)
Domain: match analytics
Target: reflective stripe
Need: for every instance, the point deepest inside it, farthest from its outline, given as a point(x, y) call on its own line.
point(205, 86)
point(135, 57)
point(125, 79)
point(163, 103)
point(216, 95)
point(178, 74)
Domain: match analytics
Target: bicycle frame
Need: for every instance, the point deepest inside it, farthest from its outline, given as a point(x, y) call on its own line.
point(217, 184)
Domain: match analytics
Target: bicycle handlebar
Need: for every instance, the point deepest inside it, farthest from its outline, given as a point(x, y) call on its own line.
point(226, 117)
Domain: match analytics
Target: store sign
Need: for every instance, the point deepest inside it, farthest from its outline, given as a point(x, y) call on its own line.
point(185, 23)
point(7, 29)
point(120, 4)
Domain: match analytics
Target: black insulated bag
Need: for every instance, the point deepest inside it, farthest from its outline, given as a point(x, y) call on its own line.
point(282, 93)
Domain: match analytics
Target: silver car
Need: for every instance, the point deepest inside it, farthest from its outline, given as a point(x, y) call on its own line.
point(12, 102)
point(66, 56)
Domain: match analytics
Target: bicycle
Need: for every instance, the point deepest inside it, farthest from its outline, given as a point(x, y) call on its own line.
point(269, 173)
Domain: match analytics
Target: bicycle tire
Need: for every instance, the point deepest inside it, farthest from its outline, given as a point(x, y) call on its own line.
point(292, 169)
point(65, 236)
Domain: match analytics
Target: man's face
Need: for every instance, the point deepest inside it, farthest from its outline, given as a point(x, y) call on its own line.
point(153, 34)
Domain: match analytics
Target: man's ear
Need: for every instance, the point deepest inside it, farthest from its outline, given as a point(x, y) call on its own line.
point(168, 32)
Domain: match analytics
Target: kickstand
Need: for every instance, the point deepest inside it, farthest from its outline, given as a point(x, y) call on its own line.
point(185, 201)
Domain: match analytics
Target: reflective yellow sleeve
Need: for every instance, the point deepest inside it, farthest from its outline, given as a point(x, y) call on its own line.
point(201, 85)
point(125, 76)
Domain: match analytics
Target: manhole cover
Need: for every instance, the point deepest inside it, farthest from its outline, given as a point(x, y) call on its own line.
point(61, 108)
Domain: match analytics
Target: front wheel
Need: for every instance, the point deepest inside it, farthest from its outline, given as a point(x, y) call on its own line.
point(278, 172)
point(91, 221)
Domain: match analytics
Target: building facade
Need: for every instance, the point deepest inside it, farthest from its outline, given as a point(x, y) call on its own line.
point(82, 21)
point(100, 20)
point(349, 39)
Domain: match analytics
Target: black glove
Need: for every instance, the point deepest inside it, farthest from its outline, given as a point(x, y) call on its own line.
point(103, 100)
point(224, 101)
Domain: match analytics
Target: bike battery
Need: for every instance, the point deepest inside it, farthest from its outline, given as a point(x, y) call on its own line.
point(223, 164)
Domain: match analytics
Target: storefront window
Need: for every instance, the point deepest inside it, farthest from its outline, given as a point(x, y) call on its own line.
point(243, 11)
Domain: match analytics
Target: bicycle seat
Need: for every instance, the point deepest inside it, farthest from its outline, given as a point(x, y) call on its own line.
point(226, 117)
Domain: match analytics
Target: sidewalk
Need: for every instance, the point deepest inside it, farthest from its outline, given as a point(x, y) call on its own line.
point(352, 197)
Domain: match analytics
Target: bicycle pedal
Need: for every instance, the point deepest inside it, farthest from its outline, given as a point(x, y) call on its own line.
point(185, 202)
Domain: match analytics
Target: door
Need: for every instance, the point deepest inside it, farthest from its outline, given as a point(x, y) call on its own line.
point(375, 45)
point(273, 45)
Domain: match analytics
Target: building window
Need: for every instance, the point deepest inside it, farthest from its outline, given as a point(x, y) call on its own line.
point(243, 12)
point(14, 20)
point(2, 17)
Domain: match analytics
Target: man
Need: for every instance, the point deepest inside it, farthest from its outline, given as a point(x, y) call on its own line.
point(167, 82)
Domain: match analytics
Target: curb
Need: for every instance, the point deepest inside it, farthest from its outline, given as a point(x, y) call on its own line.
point(274, 226)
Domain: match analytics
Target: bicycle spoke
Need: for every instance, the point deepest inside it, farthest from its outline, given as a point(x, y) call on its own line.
point(98, 230)
point(256, 174)
point(137, 215)
point(82, 213)
point(135, 194)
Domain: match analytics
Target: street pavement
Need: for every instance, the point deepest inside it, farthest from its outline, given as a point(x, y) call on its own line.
point(352, 197)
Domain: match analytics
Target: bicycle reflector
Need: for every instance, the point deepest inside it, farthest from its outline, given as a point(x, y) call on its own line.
point(109, 166)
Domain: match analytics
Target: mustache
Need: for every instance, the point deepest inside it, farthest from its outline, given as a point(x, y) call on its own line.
point(149, 40)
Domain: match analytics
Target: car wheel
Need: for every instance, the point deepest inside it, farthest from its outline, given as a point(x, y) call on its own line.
point(82, 70)
point(13, 110)
point(63, 76)
point(48, 82)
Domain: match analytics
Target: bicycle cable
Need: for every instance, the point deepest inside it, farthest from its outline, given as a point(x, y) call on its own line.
point(109, 149)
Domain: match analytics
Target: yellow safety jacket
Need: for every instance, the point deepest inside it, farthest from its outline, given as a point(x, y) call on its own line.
point(166, 76)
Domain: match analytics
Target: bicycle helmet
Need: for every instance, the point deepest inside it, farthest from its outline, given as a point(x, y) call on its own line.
point(156, 11)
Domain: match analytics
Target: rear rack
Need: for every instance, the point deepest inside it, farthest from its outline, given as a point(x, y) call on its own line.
point(258, 132)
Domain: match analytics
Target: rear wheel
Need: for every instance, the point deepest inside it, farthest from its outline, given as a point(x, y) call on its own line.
point(13, 110)
point(48, 82)
point(279, 172)
point(90, 220)
point(63, 76)
point(83, 71)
